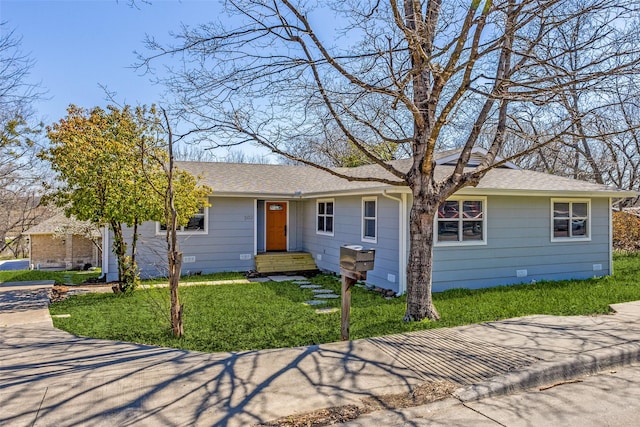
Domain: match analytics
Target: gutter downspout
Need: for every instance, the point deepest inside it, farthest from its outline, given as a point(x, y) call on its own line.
point(402, 240)
point(610, 236)
point(31, 266)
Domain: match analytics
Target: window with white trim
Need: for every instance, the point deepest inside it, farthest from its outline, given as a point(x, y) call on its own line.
point(324, 217)
point(197, 224)
point(462, 221)
point(570, 219)
point(370, 219)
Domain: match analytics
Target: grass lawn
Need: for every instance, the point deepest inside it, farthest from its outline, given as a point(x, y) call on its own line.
point(76, 277)
point(198, 278)
point(269, 315)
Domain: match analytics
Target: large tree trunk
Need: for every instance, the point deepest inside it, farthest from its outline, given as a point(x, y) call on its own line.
point(420, 267)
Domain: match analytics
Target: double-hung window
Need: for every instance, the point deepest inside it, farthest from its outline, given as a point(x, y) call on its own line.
point(197, 224)
point(370, 219)
point(570, 219)
point(462, 221)
point(324, 213)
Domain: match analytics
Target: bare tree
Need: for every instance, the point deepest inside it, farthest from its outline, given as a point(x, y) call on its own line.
point(421, 74)
point(600, 110)
point(174, 254)
point(20, 171)
point(181, 197)
point(191, 152)
point(605, 147)
point(333, 149)
point(238, 156)
point(196, 153)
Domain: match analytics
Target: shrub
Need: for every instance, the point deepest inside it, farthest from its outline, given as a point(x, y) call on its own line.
point(626, 232)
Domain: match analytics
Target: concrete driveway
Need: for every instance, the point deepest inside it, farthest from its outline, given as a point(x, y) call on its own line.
point(14, 264)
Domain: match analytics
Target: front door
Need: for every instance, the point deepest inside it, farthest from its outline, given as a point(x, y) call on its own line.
point(276, 226)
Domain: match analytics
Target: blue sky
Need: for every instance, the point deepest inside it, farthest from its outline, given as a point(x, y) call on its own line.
point(78, 45)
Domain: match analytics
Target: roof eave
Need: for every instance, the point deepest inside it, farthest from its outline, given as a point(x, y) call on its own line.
point(362, 191)
point(551, 193)
point(402, 189)
point(256, 195)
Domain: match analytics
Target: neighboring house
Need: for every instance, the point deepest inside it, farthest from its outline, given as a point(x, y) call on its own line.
point(61, 243)
point(515, 226)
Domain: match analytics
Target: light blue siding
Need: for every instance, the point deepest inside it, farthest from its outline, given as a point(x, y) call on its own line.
point(348, 230)
point(519, 238)
point(294, 227)
point(230, 235)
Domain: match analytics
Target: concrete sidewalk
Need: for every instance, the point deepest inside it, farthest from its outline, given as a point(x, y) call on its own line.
point(49, 377)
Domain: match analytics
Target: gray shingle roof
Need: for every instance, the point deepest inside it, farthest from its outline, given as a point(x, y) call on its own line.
point(290, 181)
point(254, 179)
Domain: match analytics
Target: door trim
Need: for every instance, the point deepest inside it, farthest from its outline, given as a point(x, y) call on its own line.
point(265, 222)
point(255, 227)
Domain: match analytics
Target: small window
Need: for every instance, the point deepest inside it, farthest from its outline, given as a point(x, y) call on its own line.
point(570, 220)
point(462, 221)
point(197, 223)
point(369, 219)
point(324, 214)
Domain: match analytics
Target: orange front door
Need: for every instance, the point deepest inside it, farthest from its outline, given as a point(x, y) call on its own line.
point(276, 226)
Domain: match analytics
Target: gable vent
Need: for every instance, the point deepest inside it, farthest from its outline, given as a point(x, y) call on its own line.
point(474, 160)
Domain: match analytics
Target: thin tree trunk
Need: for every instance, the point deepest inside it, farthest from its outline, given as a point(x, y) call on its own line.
point(134, 244)
point(175, 265)
point(120, 251)
point(174, 254)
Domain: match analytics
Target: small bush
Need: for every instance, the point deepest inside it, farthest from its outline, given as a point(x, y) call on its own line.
point(626, 232)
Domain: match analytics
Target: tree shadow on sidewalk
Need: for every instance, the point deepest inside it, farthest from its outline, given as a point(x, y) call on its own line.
point(49, 377)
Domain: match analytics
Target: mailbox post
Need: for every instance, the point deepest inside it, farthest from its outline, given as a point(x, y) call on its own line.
point(354, 264)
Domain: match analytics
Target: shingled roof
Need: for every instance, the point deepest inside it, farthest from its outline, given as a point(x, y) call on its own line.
point(57, 223)
point(304, 181)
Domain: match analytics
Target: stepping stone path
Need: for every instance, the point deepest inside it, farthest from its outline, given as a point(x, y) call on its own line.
point(327, 296)
point(314, 302)
point(320, 294)
point(326, 310)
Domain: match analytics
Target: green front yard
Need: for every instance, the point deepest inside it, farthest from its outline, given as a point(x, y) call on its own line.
point(269, 315)
point(74, 277)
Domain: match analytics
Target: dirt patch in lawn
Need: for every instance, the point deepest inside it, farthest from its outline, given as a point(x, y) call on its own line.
point(420, 395)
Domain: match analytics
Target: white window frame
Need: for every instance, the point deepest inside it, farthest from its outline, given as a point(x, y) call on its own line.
point(182, 231)
point(460, 242)
point(325, 215)
point(364, 238)
point(571, 217)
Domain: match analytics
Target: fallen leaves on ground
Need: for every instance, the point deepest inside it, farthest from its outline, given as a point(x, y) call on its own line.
point(420, 395)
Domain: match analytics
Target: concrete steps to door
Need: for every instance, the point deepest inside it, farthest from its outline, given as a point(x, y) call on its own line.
point(282, 262)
